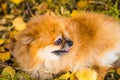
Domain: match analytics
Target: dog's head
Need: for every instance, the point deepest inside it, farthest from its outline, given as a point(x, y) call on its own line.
point(46, 37)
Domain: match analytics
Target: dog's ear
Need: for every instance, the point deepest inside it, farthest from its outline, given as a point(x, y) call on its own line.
point(11, 44)
point(27, 40)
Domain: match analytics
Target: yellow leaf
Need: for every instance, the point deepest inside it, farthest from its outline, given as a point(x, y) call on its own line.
point(118, 71)
point(1, 41)
point(12, 33)
point(50, 1)
point(112, 70)
point(8, 71)
point(82, 4)
point(19, 24)
point(64, 76)
point(72, 76)
point(10, 16)
point(2, 49)
point(74, 13)
point(16, 1)
point(4, 6)
point(64, 11)
point(4, 56)
point(86, 74)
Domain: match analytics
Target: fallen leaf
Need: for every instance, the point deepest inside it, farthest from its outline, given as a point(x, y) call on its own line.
point(112, 70)
point(4, 6)
point(1, 41)
point(64, 11)
point(8, 71)
point(9, 16)
point(86, 74)
point(23, 76)
point(19, 24)
point(64, 76)
point(74, 13)
point(72, 76)
point(12, 33)
point(50, 1)
point(2, 49)
point(16, 1)
point(82, 4)
point(118, 70)
point(4, 56)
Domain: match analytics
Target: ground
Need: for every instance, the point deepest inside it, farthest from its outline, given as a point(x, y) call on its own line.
point(14, 14)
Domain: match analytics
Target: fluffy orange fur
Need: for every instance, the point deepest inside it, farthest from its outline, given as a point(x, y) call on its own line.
point(96, 43)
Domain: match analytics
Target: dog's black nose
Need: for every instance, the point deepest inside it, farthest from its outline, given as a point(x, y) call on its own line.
point(69, 42)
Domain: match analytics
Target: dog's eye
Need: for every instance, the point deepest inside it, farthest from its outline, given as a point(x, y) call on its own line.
point(59, 41)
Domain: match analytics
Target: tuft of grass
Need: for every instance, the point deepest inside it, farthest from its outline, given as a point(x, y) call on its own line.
point(113, 10)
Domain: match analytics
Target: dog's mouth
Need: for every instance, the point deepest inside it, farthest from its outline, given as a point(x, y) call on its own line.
point(65, 48)
point(60, 52)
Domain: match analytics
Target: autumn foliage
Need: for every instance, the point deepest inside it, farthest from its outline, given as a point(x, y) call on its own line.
point(15, 13)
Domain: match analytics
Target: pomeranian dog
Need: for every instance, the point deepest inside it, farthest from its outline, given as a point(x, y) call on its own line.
point(52, 44)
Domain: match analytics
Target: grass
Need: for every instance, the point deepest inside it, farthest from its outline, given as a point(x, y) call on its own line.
point(9, 10)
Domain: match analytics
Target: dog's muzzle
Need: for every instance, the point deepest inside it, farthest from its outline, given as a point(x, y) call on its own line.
point(65, 49)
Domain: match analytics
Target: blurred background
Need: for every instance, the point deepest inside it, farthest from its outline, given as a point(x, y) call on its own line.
point(15, 13)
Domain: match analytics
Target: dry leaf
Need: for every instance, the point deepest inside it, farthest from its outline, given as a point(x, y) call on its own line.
point(112, 70)
point(50, 1)
point(1, 41)
point(118, 70)
point(8, 71)
point(19, 24)
point(82, 4)
point(4, 6)
point(72, 76)
point(2, 49)
point(4, 56)
point(12, 33)
point(9, 16)
point(64, 76)
point(16, 1)
point(86, 74)
point(64, 11)
point(74, 13)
